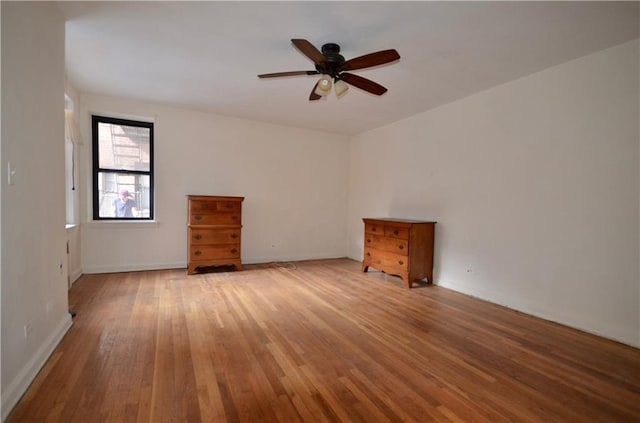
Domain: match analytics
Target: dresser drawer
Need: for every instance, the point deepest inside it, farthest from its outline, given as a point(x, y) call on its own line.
point(215, 219)
point(213, 206)
point(392, 245)
point(199, 236)
point(374, 228)
point(208, 252)
point(383, 259)
point(396, 231)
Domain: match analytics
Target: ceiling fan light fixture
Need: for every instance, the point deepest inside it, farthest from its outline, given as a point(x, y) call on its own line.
point(331, 65)
point(324, 86)
point(340, 87)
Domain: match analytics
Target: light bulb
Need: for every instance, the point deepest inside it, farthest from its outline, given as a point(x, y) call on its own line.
point(341, 87)
point(324, 86)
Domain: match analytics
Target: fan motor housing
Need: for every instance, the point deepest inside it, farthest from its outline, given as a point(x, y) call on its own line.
point(334, 59)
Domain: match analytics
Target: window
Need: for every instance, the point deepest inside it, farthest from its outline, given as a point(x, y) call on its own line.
point(122, 169)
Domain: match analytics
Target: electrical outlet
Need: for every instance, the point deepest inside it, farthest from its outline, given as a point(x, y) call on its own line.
point(28, 328)
point(11, 174)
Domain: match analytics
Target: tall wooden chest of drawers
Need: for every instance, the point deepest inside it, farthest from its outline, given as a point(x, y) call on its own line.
point(399, 247)
point(214, 232)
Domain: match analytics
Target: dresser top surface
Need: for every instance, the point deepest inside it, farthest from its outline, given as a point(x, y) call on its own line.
point(394, 220)
point(214, 198)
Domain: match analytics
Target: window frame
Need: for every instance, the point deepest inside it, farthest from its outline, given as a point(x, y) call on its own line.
point(96, 169)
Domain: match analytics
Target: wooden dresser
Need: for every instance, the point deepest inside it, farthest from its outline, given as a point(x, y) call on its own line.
point(399, 247)
point(214, 232)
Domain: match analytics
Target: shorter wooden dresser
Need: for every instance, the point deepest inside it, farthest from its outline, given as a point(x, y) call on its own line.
point(399, 247)
point(214, 232)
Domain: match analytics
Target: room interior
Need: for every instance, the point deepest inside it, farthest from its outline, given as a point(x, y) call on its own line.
point(514, 125)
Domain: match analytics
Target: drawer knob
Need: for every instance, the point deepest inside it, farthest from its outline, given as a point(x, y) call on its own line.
point(395, 232)
point(368, 254)
point(234, 236)
point(198, 252)
point(373, 229)
point(400, 262)
point(197, 217)
point(234, 251)
point(401, 247)
point(368, 240)
point(234, 217)
point(198, 236)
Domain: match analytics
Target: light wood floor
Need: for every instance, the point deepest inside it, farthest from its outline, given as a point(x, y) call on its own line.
point(319, 341)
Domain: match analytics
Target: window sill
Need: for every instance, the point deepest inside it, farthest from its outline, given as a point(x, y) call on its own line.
point(122, 224)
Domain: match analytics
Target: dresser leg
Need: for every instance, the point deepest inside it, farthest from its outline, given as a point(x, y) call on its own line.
point(365, 267)
point(408, 280)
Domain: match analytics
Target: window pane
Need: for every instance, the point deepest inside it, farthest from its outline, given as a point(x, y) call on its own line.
point(123, 195)
point(124, 147)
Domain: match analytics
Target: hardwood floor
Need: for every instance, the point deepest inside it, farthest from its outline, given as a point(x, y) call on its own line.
point(319, 341)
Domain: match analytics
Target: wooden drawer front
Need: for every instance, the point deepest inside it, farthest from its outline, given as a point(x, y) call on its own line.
point(386, 259)
point(215, 219)
point(204, 206)
point(393, 245)
point(217, 236)
point(207, 252)
point(396, 232)
point(374, 228)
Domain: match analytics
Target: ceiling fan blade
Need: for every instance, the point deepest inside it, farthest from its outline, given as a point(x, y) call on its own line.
point(293, 73)
point(362, 83)
point(372, 59)
point(313, 96)
point(309, 50)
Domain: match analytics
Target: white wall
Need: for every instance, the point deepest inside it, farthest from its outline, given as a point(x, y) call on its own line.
point(293, 181)
point(535, 187)
point(34, 287)
point(74, 263)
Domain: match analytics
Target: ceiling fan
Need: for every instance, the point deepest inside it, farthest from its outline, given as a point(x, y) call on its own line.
point(333, 66)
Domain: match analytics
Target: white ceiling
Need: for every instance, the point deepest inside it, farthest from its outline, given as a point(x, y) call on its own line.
point(206, 55)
